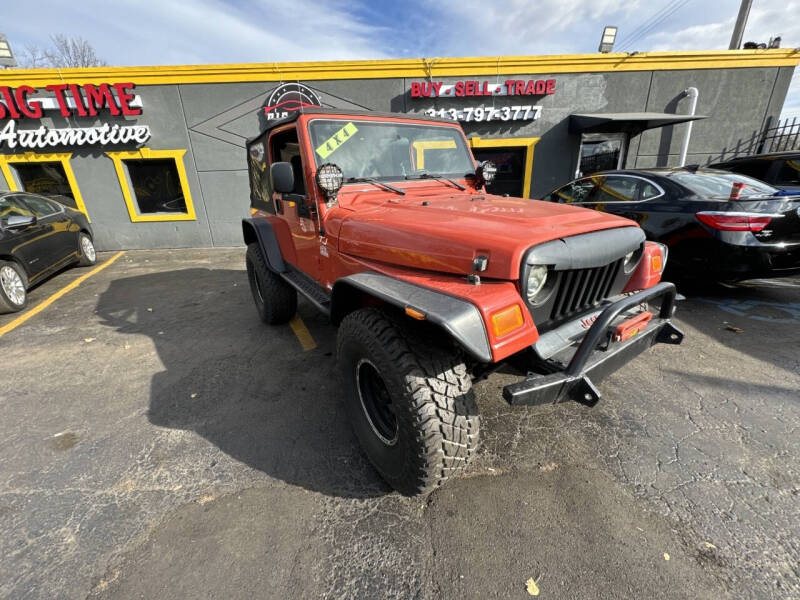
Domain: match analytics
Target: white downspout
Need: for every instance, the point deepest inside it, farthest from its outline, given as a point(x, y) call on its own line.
point(693, 94)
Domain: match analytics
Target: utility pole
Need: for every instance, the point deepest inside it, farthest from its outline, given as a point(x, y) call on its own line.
point(738, 28)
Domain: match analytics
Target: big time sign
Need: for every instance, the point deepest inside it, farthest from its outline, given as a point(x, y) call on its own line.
point(71, 100)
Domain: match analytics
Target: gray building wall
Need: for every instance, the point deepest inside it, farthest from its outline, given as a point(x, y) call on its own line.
point(212, 122)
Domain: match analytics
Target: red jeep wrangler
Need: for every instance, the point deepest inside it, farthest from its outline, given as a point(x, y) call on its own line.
point(381, 222)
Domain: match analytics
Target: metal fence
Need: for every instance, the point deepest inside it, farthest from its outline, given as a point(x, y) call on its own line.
point(776, 136)
point(784, 135)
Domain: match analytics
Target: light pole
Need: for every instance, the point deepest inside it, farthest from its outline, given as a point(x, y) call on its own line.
point(738, 28)
point(6, 56)
point(607, 39)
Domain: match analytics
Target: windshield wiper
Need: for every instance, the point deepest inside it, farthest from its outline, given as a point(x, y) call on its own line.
point(436, 176)
point(391, 188)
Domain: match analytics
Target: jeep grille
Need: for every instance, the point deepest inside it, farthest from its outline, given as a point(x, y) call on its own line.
point(581, 289)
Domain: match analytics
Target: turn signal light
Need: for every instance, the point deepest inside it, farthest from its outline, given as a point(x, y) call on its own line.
point(656, 263)
point(415, 314)
point(507, 320)
point(735, 221)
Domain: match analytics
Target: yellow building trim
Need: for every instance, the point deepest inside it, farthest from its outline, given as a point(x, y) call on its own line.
point(6, 160)
point(128, 194)
point(423, 145)
point(421, 68)
point(527, 143)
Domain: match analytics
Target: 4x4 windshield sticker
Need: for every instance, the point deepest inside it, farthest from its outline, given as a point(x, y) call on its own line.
point(332, 144)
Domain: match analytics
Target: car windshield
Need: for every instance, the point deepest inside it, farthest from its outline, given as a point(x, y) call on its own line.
point(720, 184)
point(386, 151)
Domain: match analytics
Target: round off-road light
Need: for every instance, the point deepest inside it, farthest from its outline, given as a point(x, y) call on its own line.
point(537, 277)
point(329, 178)
point(487, 171)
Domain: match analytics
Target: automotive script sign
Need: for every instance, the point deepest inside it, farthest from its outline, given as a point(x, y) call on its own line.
point(70, 100)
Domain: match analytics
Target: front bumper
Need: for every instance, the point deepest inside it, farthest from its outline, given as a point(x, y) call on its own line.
point(591, 363)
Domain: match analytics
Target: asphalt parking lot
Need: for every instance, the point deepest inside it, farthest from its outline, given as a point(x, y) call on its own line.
point(158, 441)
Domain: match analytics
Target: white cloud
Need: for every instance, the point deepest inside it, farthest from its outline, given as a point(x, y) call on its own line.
point(514, 27)
point(200, 31)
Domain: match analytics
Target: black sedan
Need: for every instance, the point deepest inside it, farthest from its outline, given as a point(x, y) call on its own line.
point(717, 225)
point(38, 236)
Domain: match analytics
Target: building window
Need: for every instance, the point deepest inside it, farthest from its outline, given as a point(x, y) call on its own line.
point(49, 174)
point(514, 160)
point(154, 184)
point(601, 152)
point(510, 163)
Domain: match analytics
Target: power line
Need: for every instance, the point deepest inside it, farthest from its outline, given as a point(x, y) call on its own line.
point(645, 23)
point(644, 32)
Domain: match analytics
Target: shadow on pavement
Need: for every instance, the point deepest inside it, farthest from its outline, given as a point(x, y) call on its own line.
point(758, 318)
point(247, 388)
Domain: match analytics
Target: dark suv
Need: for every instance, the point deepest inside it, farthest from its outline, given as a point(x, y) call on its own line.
point(780, 169)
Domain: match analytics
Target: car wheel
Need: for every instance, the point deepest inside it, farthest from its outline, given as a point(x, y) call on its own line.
point(409, 400)
point(276, 300)
point(86, 250)
point(13, 295)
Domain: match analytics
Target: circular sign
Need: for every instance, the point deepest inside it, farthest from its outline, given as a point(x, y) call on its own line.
point(289, 97)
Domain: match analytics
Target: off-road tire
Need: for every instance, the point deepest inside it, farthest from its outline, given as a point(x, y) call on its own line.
point(6, 304)
point(86, 260)
point(437, 422)
point(276, 300)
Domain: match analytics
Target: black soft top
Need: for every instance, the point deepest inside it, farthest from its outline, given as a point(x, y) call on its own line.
point(342, 111)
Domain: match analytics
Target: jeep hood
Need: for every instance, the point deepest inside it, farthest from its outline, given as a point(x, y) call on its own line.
point(445, 233)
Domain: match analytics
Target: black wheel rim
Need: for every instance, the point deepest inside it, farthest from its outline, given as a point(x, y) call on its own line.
point(376, 402)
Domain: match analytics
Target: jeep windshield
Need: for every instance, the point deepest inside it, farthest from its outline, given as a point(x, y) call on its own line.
point(390, 150)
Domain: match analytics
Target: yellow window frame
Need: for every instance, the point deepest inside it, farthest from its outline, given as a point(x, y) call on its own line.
point(6, 160)
point(527, 143)
point(127, 193)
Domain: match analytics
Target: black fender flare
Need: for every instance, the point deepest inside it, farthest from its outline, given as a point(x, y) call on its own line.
point(261, 231)
point(460, 319)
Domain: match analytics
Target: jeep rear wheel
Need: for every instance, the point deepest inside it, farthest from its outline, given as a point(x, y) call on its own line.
point(276, 300)
point(410, 401)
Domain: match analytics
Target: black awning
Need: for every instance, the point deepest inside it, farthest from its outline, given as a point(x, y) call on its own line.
point(625, 122)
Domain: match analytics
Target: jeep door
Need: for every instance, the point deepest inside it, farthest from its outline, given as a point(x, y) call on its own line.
point(296, 207)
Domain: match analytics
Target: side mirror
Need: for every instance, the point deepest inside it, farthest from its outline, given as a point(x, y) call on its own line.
point(282, 177)
point(20, 221)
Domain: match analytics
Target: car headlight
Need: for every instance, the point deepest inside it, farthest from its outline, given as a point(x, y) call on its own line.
point(628, 258)
point(537, 276)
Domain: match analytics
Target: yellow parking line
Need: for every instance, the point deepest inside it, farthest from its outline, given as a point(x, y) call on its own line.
point(67, 288)
point(302, 333)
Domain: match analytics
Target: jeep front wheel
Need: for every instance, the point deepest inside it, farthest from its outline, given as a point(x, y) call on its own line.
point(409, 400)
point(276, 300)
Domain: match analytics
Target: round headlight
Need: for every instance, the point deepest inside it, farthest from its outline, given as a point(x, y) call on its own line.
point(329, 178)
point(537, 277)
point(628, 258)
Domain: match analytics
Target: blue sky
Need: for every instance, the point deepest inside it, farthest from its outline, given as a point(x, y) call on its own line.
point(143, 32)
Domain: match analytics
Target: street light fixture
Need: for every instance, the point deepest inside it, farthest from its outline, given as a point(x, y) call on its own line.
point(6, 56)
point(607, 39)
